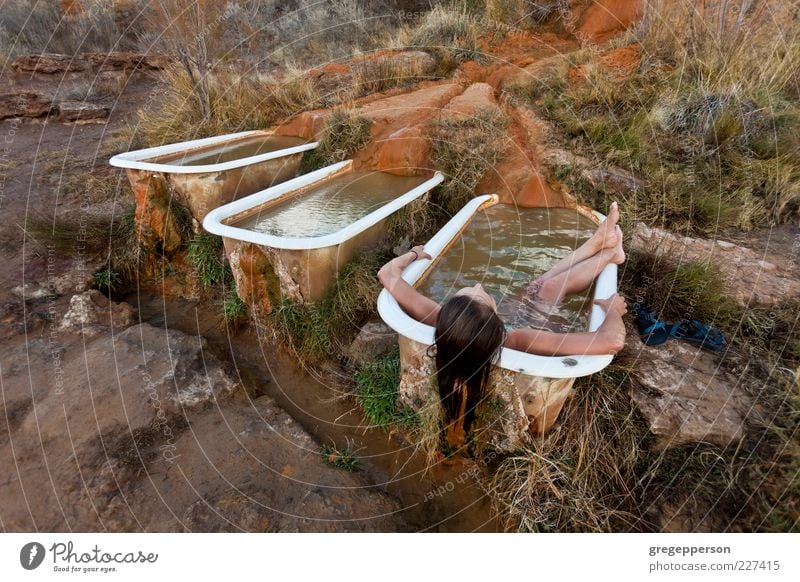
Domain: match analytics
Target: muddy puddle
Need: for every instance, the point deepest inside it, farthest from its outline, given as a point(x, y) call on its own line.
point(236, 150)
point(503, 249)
point(445, 498)
point(330, 206)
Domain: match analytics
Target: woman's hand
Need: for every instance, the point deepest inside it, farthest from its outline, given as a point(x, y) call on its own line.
point(391, 272)
point(419, 253)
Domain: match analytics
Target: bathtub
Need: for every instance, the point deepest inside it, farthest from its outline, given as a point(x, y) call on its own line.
point(533, 388)
point(177, 169)
point(269, 266)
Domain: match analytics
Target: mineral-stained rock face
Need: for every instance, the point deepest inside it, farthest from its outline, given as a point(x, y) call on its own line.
point(24, 104)
point(751, 277)
point(686, 396)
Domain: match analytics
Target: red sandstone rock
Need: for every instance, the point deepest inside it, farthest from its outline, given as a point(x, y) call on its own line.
point(24, 104)
point(477, 98)
point(405, 152)
point(604, 18)
point(308, 124)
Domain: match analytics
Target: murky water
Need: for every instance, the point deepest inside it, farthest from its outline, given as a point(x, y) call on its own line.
point(330, 206)
point(503, 249)
point(230, 151)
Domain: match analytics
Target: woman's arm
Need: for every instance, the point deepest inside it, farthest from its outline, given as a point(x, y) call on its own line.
point(608, 339)
point(413, 302)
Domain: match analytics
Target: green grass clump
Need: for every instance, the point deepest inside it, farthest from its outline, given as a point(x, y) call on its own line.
point(233, 308)
point(204, 253)
point(464, 149)
point(686, 290)
point(376, 393)
point(345, 133)
point(340, 458)
point(323, 330)
point(107, 280)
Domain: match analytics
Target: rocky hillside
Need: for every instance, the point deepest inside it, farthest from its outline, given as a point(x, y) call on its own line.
point(574, 103)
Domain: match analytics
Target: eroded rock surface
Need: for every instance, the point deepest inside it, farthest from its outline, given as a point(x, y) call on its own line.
point(149, 431)
point(752, 278)
point(686, 395)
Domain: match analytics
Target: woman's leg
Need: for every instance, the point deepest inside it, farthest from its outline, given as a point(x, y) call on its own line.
point(607, 235)
point(578, 277)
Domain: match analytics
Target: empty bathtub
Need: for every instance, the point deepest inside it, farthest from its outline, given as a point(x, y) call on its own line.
point(203, 174)
point(530, 386)
point(289, 241)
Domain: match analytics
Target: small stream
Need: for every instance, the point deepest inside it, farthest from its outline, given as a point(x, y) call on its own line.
point(446, 498)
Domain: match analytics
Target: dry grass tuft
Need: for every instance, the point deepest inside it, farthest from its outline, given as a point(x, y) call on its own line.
point(28, 27)
point(449, 32)
point(238, 103)
point(345, 133)
point(464, 149)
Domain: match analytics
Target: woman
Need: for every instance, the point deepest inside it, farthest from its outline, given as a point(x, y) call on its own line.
point(469, 334)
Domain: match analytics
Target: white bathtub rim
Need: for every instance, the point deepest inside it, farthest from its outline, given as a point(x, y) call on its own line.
point(136, 160)
point(525, 363)
point(214, 220)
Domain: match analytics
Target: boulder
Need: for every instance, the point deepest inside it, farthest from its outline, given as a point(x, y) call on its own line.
point(82, 111)
point(751, 278)
point(410, 108)
point(686, 396)
point(24, 104)
point(308, 124)
point(610, 179)
point(91, 312)
point(375, 340)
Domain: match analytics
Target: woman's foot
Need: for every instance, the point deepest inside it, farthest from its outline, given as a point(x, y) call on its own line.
point(608, 234)
point(619, 252)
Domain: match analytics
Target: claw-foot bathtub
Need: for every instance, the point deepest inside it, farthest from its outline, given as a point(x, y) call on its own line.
point(531, 389)
point(290, 241)
point(203, 174)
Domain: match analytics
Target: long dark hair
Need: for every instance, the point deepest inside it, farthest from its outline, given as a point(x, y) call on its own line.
point(469, 335)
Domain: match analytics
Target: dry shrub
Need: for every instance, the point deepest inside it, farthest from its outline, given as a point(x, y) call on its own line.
point(380, 73)
point(345, 133)
point(238, 103)
point(705, 119)
point(522, 13)
point(449, 32)
point(34, 27)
